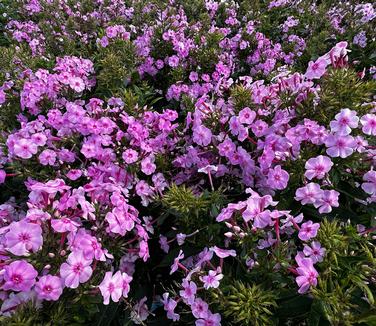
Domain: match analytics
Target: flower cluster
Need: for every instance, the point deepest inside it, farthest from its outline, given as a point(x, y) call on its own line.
point(219, 155)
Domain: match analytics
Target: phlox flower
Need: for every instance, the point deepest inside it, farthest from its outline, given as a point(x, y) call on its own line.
point(164, 244)
point(175, 265)
point(328, 199)
point(23, 238)
point(226, 148)
point(25, 148)
point(47, 157)
point(111, 287)
point(340, 146)
point(247, 116)
point(308, 230)
point(200, 309)
point(307, 273)
point(189, 291)
point(368, 123)
point(148, 166)
point(278, 178)
point(209, 320)
point(49, 288)
point(130, 156)
point(369, 186)
point(223, 253)
point(315, 252)
point(212, 279)
point(64, 224)
point(169, 307)
point(19, 276)
point(202, 135)
point(77, 84)
point(76, 270)
point(74, 174)
point(317, 167)
point(308, 194)
point(316, 69)
point(140, 311)
point(344, 122)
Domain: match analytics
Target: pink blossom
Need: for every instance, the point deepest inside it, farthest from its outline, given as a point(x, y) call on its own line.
point(111, 287)
point(200, 309)
point(369, 186)
point(64, 224)
point(368, 123)
point(278, 178)
point(202, 135)
point(127, 279)
point(308, 230)
point(77, 84)
point(307, 273)
point(315, 252)
point(189, 291)
point(212, 279)
point(148, 166)
point(76, 270)
point(308, 194)
point(169, 306)
point(23, 238)
point(130, 156)
point(223, 253)
point(74, 174)
point(25, 148)
point(316, 69)
point(175, 265)
point(340, 146)
point(328, 199)
point(344, 122)
point(209, 320)
point(19, 276)
point(247, 116)
point(164, 244)
point(317, 167)
point(49, 288)
point(47, 157)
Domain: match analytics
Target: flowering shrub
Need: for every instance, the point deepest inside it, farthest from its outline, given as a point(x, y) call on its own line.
point(204, 163)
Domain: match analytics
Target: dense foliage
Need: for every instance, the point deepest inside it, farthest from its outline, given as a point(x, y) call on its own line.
point(187, 162)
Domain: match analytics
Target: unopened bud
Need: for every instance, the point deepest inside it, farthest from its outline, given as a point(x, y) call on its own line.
point(229, 234)
point(51, 255)
point(237, 228)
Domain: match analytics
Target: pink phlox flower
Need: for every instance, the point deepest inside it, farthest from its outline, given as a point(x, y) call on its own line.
point(317, 167)
point(339, 146)
point(368, 123)
point(19, 276)
point(369, 186)
point(210, 320)
point(223, 253)
point(23, 238)
point(169, 307)
point(308, 230)
point(76, 270)
point(278, 178)
point(189, 291)
point(344, 122)
point(328, 199)
point(49, 288)
point(111, 287)
point(200, 309)
point(212, 279)
point(307, 273)
point(175, 265)
point(315, 252)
